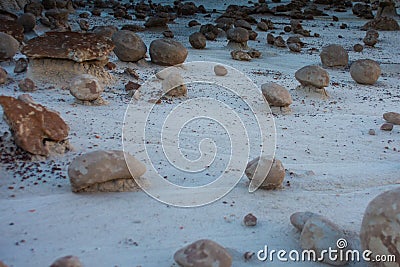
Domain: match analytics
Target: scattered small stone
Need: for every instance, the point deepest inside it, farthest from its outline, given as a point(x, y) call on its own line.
point(105, 31)
point(193, 23)
point(105, 171)
point(371, 132)
point(358, 48)
point(276, 95)
point(365, 71)
point(8, 46)
point(250, 220)
point(262, 26)
point(35, 8)
point(205, 253)
point(167, 52)
point(279, 42)
point(254, 53)
point(334, 56)
point(252, 35)
point(334, 18)
point(84, 25)
point(392, 117)
point(240, 55)
point(174, 85)
point(3, 75)
point(272, 173)
point(197, 40)
point(312, 75)
point(130, 86)
point(387, 126)
point(270, 38)
point(371, 37)
point(129, 46)
point(86, 88)
point(168, 34)
point(242, 24)
point(380, 225)
point(220, 70)
point(287, 28)
point(27, 85)
point(28, 21)
point(67, 261)
point(132, 73)
point(156, 22)
point(294, 47)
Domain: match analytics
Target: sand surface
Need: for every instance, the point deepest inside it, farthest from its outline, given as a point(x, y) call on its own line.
point(334, 166)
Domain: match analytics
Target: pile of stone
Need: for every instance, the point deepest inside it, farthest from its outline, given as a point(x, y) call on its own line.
point(57, 57)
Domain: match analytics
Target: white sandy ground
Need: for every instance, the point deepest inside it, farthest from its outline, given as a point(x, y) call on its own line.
point(333, 165)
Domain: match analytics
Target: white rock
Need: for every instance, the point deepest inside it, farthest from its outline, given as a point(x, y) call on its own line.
point(85, 87)
point(258, 169)
point(174, 85)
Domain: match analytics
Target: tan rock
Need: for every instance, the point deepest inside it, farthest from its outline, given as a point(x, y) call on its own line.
point(75, 46)
point(380, 228)
point(240, 55)
point(220, 70)
point(8, 46)
point(32, 124)
point(392, 117)
point(271, 173)
point(174, 85)
point(85, 87)
point(334, 56)
point(276, 95)
point(365, 71)
point(128, 46)
point(314, 76)
point(197, 40)
point(3, 75)
point(167, 52)
point(203, 253)
point(105, 171)
point(67, 261)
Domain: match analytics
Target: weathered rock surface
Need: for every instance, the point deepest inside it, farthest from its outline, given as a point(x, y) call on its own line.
point(105, 171)
point(75, 46)
point(128, 46)
point(271, 172)
point(167, 52)
point(86, 87)
point(365, 71)
point(8, 46)
point(174, 85)
point(276, 95)
point(12, 28)
point(334, 56)
point(392, 117)
point(314, 76)
point(32, 124)
point(380, 228)
point(197, 40)
point(220, 70)
point(203, 253)
point(382, 24)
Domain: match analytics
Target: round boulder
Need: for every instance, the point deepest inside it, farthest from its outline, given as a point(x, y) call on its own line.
point(28, 21)
point(128, 46)
point(334, 56)
point(314, 76)
point(167, 52)
point(380, 228)
point(365, 71)
point(197, 40)
point(220, 70)
point(271, 173)
point(238, 35)
point(8, 46)
point(85, 88)
point(276, 95)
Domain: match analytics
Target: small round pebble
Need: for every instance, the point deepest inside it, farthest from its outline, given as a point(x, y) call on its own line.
point(220, 70)
point(250, 220)
point(358, 47)
point(371, 132)
point(387, 126)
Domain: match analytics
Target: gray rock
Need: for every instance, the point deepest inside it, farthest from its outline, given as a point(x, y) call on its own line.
point(299, 219)
point(392, 117)
point(67, 261)
point(220, 70)
point(320, 234)
point(242, 24)
point(3, 75)
point(365, 71)
point(28, 21)
point(129, 46)
point(167, 52)
point(239, 35)
point(279, 41)
point(272, 173)
point(21, 65)
point(262, 26)
point(197, 40)
point(203, 253)
point(8, 46)
point(85, 88)
point(276, 95)
point(294, 47)
point(240, 55)
point(27, 85)
point(380, 228)
point(334, 56)
point(314, 76)
point(105, 171)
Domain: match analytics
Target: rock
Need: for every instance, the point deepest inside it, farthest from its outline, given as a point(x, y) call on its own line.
point(254, 53)
point(279, 42)
point(197, 40)
point(156, 22)
point(133, 28)
point(105, 31)
point(167, 52)
point(334, 56)
point(371, 37)
point(270, 38)
point(238, 35)
point(220, 70)
point(84, 25)
point(358, 48)
point(276, 95)
point(210, 31)
point(129, 46)
point(365, 71)
point(58, 19)
point(67, 261)
point(28, 21)
point(105, 171)
point(382, 24)
point(74, 46)
point(193, 23)
point(371, 132)
point(174, 85)
point(313, 76)
point(35, 8)
point(203, 253)
point(3, 76)
point(27, 85)
point(8, 46)
point(12, 5)
point(240, 55)
point(168, 34)
point(252, 35)
point(387, 8)
point(299, 219)
point(250, 220)
point(85, 87)
point(33, 124)
point(294, 47)
point(262, 26)
point(259, 169)
point(2, 264)
point(392, 117)
point(320, 234)
point(380, 228)
point(12, 28)
point(21, 65)
point(387, 127)
point(362, 11)
point(241, 23)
